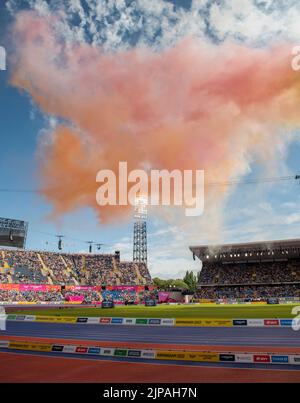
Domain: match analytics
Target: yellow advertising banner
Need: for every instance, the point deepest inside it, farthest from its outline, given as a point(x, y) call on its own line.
point(19, 345)
point(61, 319)
point(187, 356)
point(203, 322)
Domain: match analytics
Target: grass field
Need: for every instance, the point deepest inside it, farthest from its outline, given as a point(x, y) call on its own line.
point(173, 311)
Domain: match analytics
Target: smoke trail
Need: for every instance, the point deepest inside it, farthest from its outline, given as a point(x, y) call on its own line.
point(192, 106)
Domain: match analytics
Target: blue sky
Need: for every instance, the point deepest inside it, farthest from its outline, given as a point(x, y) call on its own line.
point(252, 212)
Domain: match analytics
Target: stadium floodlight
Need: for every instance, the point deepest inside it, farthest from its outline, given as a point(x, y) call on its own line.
point(140, 208)
point(60, 244)
point(140, 230)
point(90, 243)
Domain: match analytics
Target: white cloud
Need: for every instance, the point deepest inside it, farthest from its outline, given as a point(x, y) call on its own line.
point(115, 24)
point(293, 218)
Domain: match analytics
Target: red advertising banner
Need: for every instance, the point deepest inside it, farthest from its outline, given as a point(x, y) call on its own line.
point(75, 298)
point(82, 288)
point(30, 287)
point(271, 322)
point(261, 358)
point(105, 320)
point(35, 287)
point(81, 350)
point(46, 287)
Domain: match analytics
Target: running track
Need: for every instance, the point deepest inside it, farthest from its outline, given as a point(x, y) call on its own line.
point(25, 367)
point(204, 336)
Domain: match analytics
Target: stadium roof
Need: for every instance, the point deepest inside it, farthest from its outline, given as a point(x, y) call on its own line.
point(250, 251)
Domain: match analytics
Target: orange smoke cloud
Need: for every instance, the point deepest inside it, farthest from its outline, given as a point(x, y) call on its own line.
point(193, 106)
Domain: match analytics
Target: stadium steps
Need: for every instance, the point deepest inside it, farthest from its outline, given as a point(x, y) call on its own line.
point(9, 277)
point(74, 277)
point(69, 270)
point(64, 262)
point(50, 281)
point(5, 261)
point(117, 272)
point(140, 278)
point(52, 275)
point(44, 269)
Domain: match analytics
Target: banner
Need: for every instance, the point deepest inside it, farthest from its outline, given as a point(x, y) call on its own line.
point(261, 358)
point(187, 356)
point(244, 357)
point(170, 296)
point(82, 288)
point(239, 322)
point(75, 298)
point(29, 287)
point(94, 350)
point(18, 345)
point(62, 319)
point(280, 359)
point(203, 322)
point(271, 322)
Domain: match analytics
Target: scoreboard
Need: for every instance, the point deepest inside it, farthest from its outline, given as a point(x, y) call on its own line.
point(13, 233)
point(107, 304)
point(150, 302)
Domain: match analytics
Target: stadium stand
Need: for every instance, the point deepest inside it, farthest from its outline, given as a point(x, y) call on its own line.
point(251, 271)
point(39, 267)
point(39, 276)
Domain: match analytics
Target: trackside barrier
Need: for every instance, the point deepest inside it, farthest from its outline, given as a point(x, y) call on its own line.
point(94, 320)
point(205, 322)
point(24, 345)
point(167, 355)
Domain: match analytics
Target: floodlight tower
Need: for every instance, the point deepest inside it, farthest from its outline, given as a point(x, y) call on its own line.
point(140, 230)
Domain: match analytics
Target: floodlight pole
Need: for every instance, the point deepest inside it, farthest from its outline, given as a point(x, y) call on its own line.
point(140, 230)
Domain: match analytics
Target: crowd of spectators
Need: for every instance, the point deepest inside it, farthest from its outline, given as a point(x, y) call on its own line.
point(120, 296)
point(30, 296)
point(83, 296)
point(129, 274)
point(30, 267)
point(20, 258)
point(248, 292)
point(55, 263)
point(4, 278)
point(250, 273)
point(100, 270)
point(25, 275)
point(143, 269)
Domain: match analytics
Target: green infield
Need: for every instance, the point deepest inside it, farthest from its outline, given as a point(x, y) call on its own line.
point(170, 311)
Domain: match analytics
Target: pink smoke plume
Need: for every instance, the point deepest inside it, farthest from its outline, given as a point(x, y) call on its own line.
point(193, 106)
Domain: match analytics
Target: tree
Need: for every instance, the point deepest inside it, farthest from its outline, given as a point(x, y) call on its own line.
point(170, 283)
point(191, 280)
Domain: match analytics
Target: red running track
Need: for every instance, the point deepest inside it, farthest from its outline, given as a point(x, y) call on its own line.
point(32, 368)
